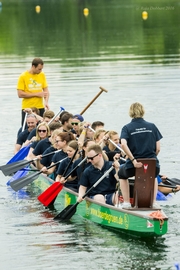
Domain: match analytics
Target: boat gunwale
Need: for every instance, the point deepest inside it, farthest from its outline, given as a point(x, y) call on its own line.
point(129, 211)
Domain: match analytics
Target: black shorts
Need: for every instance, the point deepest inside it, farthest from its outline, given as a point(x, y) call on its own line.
point(126, 173)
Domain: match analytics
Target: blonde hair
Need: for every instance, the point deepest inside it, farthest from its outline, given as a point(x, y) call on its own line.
point(96, 148)
point(112, 133)
point(48, 114)
point(73, 144)
point(44, 124)
point(98, 133)
point(136, 110)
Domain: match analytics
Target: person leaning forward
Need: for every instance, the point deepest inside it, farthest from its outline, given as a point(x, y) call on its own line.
point(33, 89)
point(105, 191)
point(139, 139)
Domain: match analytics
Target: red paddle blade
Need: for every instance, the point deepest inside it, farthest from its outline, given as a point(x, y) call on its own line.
point(48, 196)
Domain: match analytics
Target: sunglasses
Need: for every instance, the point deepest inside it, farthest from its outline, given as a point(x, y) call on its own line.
point(74, 123)
point(91, 158)
point(42, 130)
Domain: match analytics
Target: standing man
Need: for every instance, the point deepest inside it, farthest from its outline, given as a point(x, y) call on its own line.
point(139, 139)
point(33, 89)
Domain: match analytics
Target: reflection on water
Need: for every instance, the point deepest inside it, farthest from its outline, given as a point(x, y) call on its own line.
point(135, 60)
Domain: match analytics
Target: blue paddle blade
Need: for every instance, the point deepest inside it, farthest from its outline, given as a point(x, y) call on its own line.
point(20, 155)
point(161, 197)
point(17, 175)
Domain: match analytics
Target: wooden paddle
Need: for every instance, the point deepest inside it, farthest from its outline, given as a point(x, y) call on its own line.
point(48, 196)
point(8, 169)
point(70, 210)
point(100, 92)
point(24, 181)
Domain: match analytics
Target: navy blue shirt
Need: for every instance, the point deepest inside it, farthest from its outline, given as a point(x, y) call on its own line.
point(61, 169)
point(58, 156)
point(46, 161)
point(78, 172)
point(91, 175)
point(22, 137)
point(32, 134)
point(141, 137)
point(41, 146)
point(106, 149)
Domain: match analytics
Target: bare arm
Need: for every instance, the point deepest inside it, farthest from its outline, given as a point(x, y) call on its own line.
point(129, 154)
point(46, 97)
point(17, 148)
point(82, 190)
point(22, 94)
point(157, 147)
point(48, 171)
point(167, 190)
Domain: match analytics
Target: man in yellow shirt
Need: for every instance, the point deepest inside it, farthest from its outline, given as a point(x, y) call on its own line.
point(33, 89)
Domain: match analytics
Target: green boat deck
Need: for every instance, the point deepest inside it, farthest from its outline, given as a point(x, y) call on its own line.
point(137, 222)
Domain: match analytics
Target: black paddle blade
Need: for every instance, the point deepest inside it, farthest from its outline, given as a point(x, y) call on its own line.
point(172, 181)
point(24, 181)
point(67, 213)
point(8, 169)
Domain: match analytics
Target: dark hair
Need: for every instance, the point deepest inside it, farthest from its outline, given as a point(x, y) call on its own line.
point(36, 61)
point(61, 115)
point(66, 117)
point(35, 110)
point(54, 125)
point(66, 136)
point(96, 124)
point(86, 141)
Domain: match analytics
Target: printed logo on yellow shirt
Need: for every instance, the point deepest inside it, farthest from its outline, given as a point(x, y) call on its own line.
point(33, 85)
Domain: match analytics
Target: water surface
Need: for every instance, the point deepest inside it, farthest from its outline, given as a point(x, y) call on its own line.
point(135, 60)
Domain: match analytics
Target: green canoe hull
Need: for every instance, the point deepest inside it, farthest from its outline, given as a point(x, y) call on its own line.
point(136, 222)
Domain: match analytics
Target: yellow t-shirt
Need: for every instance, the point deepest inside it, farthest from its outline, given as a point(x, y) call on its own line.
point(31, 83)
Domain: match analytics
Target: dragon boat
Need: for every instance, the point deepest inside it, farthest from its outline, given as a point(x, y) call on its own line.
point(139, 221)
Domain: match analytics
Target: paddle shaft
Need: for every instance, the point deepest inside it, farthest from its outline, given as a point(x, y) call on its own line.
point(24, 123)
point(69, 211)
point(18, 165)
point(100, 92)
point(79, 164)
point(117, 146)
point(53, 198)
point(24, 181)
point(49, 195)
point(168, 186)
point(69, 164)
point(61, 109)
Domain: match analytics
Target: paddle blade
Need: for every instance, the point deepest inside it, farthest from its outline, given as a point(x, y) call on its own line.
point(172, 181)
point(67, 213)
point(20, 155)
point(16, 176)
point(8, 169)
point(24, 181)
point(50, 194)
